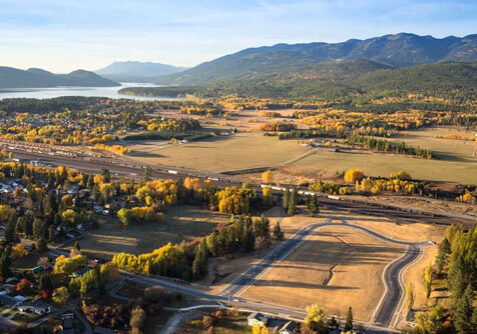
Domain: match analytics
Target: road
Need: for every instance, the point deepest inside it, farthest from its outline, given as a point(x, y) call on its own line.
point(385, 310)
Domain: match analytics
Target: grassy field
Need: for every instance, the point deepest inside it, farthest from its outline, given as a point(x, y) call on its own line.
point(455, 165)
point(243, 150)
point(180, 223)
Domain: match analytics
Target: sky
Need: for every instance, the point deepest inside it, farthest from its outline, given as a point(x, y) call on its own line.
point(64, 35)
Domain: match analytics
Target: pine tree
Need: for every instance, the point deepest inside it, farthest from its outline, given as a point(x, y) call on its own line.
point(277, 231)
point(77, 245)
point(286, 199)
point(349, 320)
point(292, 202)
point(462, 315)
point(313, 205)
point(10, 229)
point(51, 233)
point(42, 245)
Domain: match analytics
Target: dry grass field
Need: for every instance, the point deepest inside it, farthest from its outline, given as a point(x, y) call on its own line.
point(243, 150)
point(180, 223)
point(455, 165)
point(335, 268)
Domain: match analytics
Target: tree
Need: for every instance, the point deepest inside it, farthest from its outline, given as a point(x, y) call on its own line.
point(277, 231)
point(286, 199)
point(267, 176)
point(5, 263)
point(431, 321)
point(267, 196)
point(60, 295)
point(313, 205)
point(428, 280)
point(207, 321)
point(42, 245)
point(462, 315)
point(18, 251)
point(316, 319)
point(409, 297)
point(349, 320)
point(292, 202)
point(23, 286)
point(147, 173)
point(353, 175)
point(125, 216)
point(10, 230)
point(138, 317)
point(106, 175)
point(77, 245)
point(38, 229)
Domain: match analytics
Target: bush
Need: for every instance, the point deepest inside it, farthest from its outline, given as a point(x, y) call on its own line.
point(207, 321)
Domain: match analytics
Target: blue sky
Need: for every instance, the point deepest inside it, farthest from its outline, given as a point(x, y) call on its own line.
point(63, 35)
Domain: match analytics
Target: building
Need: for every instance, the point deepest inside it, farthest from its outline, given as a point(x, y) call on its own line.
point(34, 306)
point(257, 318)
point(290, 327)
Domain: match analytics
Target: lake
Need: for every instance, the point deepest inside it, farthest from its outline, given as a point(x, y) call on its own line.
point(46, 93)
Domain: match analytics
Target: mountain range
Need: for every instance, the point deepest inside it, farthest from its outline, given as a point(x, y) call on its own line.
point(398, 50)
point(135, 71)
point(37, 78)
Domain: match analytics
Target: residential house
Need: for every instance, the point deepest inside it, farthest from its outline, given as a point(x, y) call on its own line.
point(290, 327)
point(257, 318)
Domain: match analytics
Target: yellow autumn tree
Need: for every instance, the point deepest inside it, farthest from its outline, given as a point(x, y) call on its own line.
point(353, 175)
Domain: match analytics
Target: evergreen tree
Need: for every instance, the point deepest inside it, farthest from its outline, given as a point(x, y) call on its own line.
point(106, 175)
point(349, 320)
point(313, 205)
point(462, 315)
point(277, 231)
point(286, 199)
point(292, 202)
point(5, 263)
point(10, 229)
point(77, 245)
point(199, 266)
point(42, 245)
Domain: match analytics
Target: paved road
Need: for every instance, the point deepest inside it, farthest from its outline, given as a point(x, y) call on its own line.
point(395, 290)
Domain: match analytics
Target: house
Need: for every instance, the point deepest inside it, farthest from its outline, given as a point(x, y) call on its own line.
point(290, 327)
point(81, 271)
point(34, 306)
point(67, 319)
point(8, 301)
point(257, 318)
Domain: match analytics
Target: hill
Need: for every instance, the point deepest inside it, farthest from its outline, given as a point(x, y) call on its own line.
point(396, 50)
point(36, 78)
point(136, 71)
point(340, 80)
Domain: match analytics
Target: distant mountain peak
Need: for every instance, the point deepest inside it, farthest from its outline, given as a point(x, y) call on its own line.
point(136, 70)
point(397, 50)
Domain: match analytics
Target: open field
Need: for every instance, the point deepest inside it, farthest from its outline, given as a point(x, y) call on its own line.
point(243, 150)
point(455, 165)
point(180, 223)
point(335, 268)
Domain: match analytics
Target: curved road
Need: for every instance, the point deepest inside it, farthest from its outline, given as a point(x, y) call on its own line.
point(392, 296)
